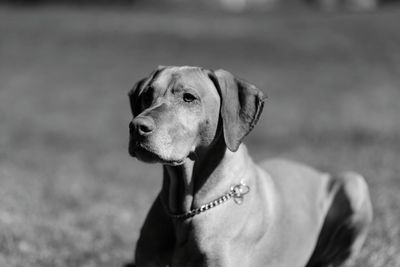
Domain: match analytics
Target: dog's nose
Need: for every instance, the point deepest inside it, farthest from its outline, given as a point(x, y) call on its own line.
point(142, 126)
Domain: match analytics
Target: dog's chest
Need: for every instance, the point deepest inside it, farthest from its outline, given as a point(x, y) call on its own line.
point(206, 242)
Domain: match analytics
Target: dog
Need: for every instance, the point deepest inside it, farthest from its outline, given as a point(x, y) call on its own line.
point(216, 206)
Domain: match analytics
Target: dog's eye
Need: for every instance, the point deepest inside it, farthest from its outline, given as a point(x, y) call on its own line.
point(187, 97)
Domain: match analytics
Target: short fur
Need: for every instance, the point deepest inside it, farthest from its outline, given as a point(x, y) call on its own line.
point(193, 121)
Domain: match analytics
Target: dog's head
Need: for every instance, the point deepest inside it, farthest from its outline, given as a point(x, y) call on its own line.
point(177, 110)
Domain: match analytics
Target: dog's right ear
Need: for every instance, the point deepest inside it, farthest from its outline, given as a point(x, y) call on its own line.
point(137, 89)
point(134, 96)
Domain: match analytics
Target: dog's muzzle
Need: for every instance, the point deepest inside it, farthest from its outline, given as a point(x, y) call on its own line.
point(141, 127)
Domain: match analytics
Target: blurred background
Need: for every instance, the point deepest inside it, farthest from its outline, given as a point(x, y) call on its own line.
point(69, 193)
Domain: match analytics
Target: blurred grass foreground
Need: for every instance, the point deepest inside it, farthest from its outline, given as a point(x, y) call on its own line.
point(69, 193)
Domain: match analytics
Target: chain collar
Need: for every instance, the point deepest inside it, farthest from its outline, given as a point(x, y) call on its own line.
point(236, 192)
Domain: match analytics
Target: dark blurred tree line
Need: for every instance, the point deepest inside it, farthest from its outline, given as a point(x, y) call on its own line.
point(74, 2)
point(231, 5)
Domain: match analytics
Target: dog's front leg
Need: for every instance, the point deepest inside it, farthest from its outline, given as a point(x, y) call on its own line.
point(156, 242)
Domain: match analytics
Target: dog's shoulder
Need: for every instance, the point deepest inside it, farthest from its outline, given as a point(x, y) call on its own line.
point(285, 169)
point(286, 164)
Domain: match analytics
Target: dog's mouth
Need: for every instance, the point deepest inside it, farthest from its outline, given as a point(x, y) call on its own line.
point(144, 153)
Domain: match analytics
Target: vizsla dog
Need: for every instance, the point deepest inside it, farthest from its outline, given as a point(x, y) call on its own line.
point(216, 206)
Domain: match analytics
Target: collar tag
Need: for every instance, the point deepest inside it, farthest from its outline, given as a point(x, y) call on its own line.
point(238, 191)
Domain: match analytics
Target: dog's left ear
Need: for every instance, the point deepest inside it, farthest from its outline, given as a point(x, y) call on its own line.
point(241, 106)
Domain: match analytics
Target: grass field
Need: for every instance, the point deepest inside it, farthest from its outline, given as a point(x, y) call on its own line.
point(69, 193)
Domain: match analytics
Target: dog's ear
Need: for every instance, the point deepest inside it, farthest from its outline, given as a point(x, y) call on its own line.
point(134, 93)
point(134, 96)
point(241, 106)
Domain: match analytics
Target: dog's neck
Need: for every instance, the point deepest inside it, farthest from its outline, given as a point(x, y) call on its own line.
point(204, 178)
